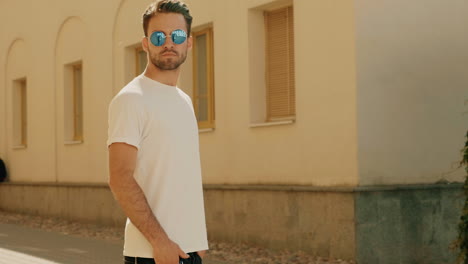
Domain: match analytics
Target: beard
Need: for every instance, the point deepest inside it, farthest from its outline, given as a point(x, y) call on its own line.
point(167, 63)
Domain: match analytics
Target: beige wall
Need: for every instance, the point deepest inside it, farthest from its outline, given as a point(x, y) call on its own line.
point(318, 149)
point(412, 88)
point(53, 34)
point(300, 153)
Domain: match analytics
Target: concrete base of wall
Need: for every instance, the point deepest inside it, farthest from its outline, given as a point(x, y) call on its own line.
point(319, 222)
point(84, 203)
point(371, 225)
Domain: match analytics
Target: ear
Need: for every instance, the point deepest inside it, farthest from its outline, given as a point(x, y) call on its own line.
point(189, 43)
point(144, 44)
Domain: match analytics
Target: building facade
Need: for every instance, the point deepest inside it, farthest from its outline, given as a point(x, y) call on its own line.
point(332, 127)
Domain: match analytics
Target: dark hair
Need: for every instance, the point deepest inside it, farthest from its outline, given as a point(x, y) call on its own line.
point(167, 6)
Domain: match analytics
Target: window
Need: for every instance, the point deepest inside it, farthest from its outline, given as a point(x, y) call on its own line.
point(203, 77)
point(141, 60)
point(74, 103)
point(280, 90)
point(78, 102)
point(20, 113)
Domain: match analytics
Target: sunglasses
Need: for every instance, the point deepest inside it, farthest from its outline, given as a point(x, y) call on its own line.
point(158, 38)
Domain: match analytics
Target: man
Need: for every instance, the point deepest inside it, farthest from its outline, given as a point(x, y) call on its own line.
point(154, 157)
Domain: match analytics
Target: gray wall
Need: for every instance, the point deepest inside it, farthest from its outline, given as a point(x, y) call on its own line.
point(408, 225)
point(412, 64)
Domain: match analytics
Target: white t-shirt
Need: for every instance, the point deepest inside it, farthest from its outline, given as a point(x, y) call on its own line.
point(160, 122)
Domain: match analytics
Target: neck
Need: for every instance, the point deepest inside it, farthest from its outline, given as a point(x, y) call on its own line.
point(165, 77)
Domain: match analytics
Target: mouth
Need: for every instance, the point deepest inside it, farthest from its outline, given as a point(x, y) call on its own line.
point(168, 53)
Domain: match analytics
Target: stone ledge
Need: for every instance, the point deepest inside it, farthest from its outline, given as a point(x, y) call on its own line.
point(398, 187)
point(269, 187)
point(57, 184)
point(346, 189)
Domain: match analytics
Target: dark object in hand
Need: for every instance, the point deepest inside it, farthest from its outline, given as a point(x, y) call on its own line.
point(194, 259)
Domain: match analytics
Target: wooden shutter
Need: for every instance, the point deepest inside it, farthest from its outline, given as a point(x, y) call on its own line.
point(281, 99)
point(140, 60)
point(19, 113)
point(23, 98)
point(78, 102)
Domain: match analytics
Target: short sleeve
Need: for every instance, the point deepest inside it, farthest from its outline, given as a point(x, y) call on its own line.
point(188, 100)
point(126, 120)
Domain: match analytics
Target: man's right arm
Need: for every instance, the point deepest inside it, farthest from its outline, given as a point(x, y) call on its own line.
point(130, 196)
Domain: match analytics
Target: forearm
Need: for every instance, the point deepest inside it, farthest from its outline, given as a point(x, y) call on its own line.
point(131, 198)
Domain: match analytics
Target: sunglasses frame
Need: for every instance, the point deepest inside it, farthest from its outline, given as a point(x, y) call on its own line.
point(159, 37)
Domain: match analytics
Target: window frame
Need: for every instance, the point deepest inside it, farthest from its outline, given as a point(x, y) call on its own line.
point(138, 71)
point(208, 31)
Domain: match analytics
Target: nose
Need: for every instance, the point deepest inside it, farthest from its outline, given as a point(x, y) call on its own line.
point(168, 44)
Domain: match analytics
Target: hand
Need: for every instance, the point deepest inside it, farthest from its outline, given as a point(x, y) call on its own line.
point(201, 253)
point(167, 252)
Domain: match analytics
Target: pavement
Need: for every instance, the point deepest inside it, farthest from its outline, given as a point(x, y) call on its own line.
point(24, 245)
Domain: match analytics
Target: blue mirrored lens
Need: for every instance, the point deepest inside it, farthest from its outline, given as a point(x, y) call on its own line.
point(178, 36)
point(158, 38)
